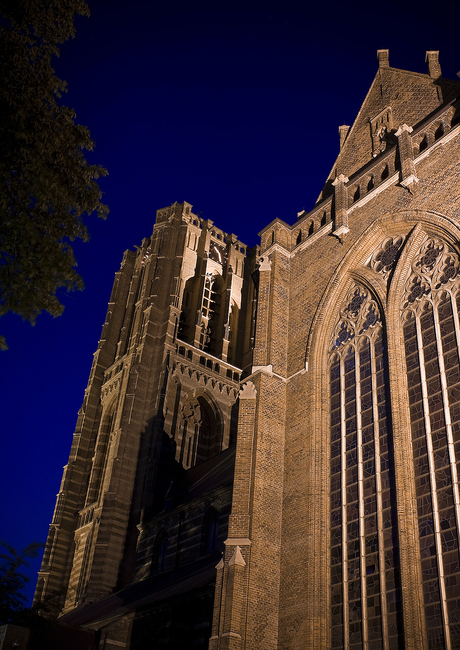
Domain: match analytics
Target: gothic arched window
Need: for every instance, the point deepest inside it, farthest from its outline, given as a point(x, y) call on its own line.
point(101, 458)
point(431, 310)
point(365, 593)
point(201, 432)
point(232, 333)
point(187, 319)
point(210, 311)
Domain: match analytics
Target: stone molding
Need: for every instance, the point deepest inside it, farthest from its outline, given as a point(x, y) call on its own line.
point(248, 391)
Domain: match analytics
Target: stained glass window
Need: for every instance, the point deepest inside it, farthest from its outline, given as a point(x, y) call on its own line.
point(431, 336)
point(365, 585)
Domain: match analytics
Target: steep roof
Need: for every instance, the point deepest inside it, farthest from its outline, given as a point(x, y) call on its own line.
point(395, 97)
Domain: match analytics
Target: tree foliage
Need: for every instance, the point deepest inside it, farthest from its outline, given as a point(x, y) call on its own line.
point(46, 183)
point(12, 580)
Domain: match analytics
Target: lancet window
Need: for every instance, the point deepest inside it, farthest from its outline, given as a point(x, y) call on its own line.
point(201, 432)
point(365, 591)
point(187, 319)
point(430, 310)
point(365, 580)
point(210, 311)
point(101, 456)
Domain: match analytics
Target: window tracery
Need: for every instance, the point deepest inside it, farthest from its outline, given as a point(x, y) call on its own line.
point(430, 311)
point(360, 314)
point(201, 432)
point(436, 266)
point(385, 257)
point(365, 595)
point(364, 563)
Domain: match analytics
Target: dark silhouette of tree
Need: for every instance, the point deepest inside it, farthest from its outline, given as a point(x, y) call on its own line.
point(46, 183)
point(12, 580)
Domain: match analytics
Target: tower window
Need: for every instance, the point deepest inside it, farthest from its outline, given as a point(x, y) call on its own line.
point(210, 311)
point(201, 432)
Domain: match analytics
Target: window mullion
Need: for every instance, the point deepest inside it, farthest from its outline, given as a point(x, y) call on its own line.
point(378, 486)
point(362, 539)
point(457, 324)
point(196, 434)
point(434, 496)
point(343, 453)
point(445, 400)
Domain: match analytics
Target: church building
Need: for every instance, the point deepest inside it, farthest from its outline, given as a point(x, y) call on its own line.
point(267, 455)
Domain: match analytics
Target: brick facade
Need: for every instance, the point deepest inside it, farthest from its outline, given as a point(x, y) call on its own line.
point(263, 402)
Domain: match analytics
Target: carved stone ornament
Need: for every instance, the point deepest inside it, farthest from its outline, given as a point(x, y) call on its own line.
point(381, 126)
point(248, 391)
point(384, 258)
point(360, 315)
point(191, 411)
point(436, 266)
point(265, 264)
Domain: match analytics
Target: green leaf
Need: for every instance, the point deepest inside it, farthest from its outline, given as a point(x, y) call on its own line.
point(46, 183)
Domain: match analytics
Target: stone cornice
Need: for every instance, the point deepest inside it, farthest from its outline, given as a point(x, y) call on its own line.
point(268, 370)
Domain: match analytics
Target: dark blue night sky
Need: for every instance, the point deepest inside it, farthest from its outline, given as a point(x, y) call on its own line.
point(233, 110)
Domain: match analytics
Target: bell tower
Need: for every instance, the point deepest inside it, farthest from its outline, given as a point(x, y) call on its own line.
point(162, 390)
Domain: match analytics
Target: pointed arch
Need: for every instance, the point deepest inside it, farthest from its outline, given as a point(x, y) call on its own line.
point(214, 312)
point(424, 307)
point(202, 429)
point(378, 267)
point(351, 269)
point(364, 566)
point(101, 454)
point(187, 319)
point(350, 442)
point(355, 265)
point(233, 321)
